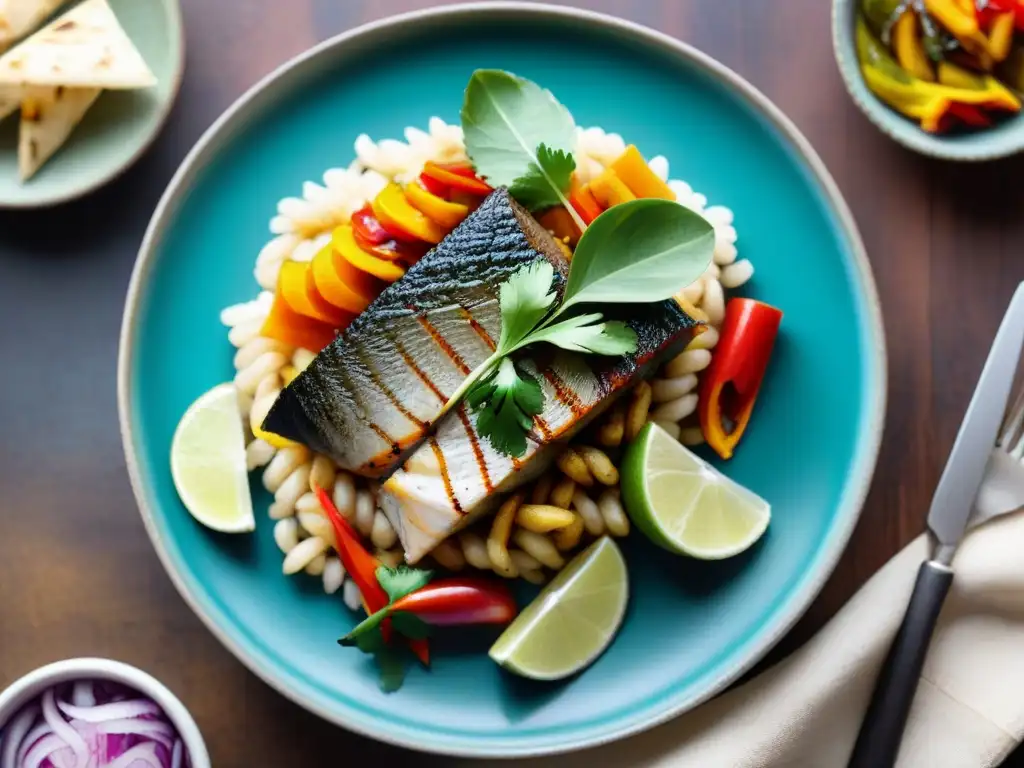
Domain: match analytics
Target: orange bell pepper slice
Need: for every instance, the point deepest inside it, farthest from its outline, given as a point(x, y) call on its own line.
point(345, 245)
point(586, 205)
point(560, 223)
point(636, 174)
point(730, 384)
point(395, 212)
point(341, 284)
point(290, 327)
point(608, 189)
point(456, 177)
point(448, 215)
point(298, 286)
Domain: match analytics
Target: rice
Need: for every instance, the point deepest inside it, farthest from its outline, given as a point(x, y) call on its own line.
point(301, 226)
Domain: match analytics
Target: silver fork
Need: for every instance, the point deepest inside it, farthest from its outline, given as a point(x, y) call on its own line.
point(1002, 490)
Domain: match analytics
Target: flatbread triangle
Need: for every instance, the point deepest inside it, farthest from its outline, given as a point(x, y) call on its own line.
point(85, 47)
point(19, 17)
point(48, 116)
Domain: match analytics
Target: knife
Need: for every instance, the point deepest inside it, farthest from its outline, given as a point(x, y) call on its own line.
point(881, 731)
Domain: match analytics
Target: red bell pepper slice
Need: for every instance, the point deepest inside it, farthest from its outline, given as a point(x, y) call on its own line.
point(460, 601)
point(460, 177)
point(993, 8)
point(586, 205)
point(362, 567)
point(730, 385)
point(435, 187)
point(367, 228)
point(969, 114)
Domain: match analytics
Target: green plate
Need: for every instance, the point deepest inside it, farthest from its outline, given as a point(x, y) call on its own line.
point(117, 129)
point(691, 627)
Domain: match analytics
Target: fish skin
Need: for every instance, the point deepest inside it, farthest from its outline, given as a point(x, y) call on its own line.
point(458, 477)
point(370, 397)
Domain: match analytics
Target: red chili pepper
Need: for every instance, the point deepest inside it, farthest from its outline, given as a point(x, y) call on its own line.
point(454, 177)
point(969, 114)
point(586, 205)
point(362, 567)
point(993, 8)
point(730, 385)
point(460, 601)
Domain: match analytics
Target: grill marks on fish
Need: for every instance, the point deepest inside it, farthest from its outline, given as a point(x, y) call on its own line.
point(372, 396)
point(426, 504)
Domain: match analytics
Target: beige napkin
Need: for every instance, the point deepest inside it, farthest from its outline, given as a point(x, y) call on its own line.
point(805, 712)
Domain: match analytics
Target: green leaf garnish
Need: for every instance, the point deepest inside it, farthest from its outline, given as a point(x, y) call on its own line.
point(545, 181)
point(392, 669)
point(643, 251)
point(403, 580)
point(526, 298)
point(410, 625)
point(519, 136)
point(506, 403)
point(587, 333)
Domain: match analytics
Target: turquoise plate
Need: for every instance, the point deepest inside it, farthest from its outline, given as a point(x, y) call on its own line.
point(692, 627)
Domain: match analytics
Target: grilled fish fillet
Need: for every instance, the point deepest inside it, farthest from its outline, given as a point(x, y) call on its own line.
point(370, 398)
point(456, 476)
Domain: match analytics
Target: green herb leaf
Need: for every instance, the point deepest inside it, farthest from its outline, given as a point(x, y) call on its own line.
point(545, 179)
point(368, 627)
point(526, 297)
point(403, 580)
point(641, 251)
point(586, 333)
point(506, 407)
point(410, 625)
point(392, 669)
point(505, 120)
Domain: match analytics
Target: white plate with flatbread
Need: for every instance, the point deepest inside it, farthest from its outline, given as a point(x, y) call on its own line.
point(85, 87)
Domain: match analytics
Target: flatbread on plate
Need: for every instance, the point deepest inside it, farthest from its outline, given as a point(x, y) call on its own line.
point(48, 116)
point(85, 47)
point(10, 99)
point(19, 17)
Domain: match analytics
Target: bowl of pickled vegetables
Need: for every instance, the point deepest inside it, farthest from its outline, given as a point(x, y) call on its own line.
point(941, 77)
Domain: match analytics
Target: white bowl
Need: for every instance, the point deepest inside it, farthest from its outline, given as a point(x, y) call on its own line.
point(23, 690)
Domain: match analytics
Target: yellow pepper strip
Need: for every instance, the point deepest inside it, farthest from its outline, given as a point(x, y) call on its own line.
point(910, 53)
point(1000, 36)
point(395, 213)
point(610, 190)
point(963, 26)
point(346, 246)
point(967, 6)
point(448, 215)
point(982, 90)
point(636, 174)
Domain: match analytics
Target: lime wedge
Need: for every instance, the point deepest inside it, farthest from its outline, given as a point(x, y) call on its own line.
point(684, 504)
point(208, 462)
point(572, 620)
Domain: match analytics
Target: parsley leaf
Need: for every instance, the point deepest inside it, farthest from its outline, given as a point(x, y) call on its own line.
point(506, 404)
point(525, 298)
point(586, 333)
point(392, 669)
point(401, 581)
point(545, 179)
point(410, 625)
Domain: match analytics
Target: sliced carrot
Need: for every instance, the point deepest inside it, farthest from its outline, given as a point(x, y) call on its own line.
point(346, 246)
point(290, 327)
point(341, 284)
point(393, 210)
point(608, 189)
point(457, 178)
point(448, 215)
point(560, 223)
point(636, 174)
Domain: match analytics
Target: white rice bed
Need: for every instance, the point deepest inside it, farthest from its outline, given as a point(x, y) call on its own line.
point(302, 226)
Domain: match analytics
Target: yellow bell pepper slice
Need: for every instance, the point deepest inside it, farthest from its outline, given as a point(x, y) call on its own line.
point(395, 213)
point(608, 189)
point(636, 174)
point(345, 244)
point(1000, 36)
point(340, 283)
point(448, 215)
point(910, 53)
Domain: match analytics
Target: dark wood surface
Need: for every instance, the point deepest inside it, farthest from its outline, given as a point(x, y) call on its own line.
point(77, 573)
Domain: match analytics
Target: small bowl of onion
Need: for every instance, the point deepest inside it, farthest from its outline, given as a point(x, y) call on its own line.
point(96, 713)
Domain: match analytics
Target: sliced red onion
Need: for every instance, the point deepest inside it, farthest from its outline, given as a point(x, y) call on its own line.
point(14, 735)
point(62, 728)
point(140, 756)
point(118, 729)
point(119, 710)
point(83, 694)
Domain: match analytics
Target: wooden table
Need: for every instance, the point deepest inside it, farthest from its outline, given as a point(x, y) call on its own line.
point(77, 573)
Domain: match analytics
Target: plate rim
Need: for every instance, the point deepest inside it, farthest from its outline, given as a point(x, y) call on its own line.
point(869, 321)
point(177, 30)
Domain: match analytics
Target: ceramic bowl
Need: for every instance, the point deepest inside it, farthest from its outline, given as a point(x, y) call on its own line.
point(23, 690)
point(1002, 140)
